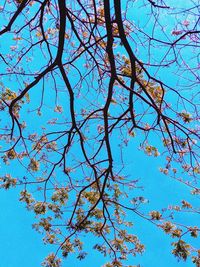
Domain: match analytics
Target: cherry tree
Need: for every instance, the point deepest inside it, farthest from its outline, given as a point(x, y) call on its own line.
point(81, 82)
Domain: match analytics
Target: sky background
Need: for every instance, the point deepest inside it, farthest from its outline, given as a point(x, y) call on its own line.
point(20, 245)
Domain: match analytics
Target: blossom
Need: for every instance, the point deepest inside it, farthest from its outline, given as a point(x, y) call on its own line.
point(176, 32)
point(186, 23)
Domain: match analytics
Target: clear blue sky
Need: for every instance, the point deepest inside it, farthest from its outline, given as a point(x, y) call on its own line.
point(21, 246)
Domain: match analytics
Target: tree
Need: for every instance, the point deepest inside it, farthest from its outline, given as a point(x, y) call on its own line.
point(80, 81)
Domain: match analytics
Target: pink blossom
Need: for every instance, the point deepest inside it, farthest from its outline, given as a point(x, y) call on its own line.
point(176, 32)
point(186, 23)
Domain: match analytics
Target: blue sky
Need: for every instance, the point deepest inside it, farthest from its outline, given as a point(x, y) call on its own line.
point(22, 246)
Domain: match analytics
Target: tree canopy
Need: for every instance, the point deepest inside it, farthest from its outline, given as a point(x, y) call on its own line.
point(81, 83)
